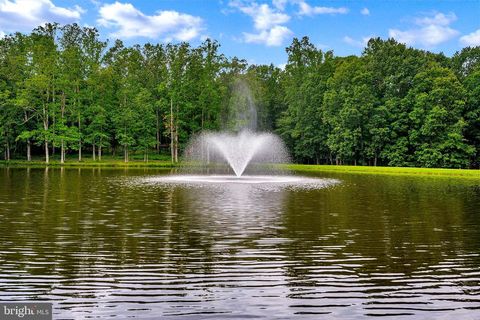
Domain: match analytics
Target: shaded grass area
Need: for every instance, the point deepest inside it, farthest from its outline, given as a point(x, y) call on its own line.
point(108, 161)
point(431, 172)
point(86, 164)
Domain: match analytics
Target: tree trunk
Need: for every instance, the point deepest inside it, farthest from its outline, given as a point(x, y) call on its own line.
point(93, 151)
point(62, 150)
point(158, 131)
point(80, 139)
point(53, 121)
point(77, 107)
point(62, 153)
point(172, 138)
point(47, 158)
point(375, 161)
point(176, 146)
point(100, 153)
point(176, 136)
point(125, 153)
point(45, 127)
point(29, 152)
point(7, 151)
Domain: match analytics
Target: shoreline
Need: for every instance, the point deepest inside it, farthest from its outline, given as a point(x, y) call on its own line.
point(406, 171)
point(396, 171)
point(88, 164)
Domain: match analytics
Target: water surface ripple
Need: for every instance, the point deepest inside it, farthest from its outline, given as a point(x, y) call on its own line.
point(99, 246)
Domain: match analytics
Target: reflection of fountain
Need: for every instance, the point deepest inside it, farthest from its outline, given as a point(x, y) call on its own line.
point(238, 150)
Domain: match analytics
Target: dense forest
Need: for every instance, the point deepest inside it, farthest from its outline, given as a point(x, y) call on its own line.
point(63, 91)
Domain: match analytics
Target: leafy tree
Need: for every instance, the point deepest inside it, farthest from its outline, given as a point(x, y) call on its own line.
point(302, 124)
point(437, 123)
point(350, 111)
point(61, 89)
point(472, 114)
point(466, 61)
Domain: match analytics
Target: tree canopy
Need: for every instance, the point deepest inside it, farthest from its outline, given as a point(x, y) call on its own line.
point(65, 91)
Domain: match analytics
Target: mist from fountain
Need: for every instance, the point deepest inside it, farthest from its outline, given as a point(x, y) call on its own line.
point(239, 144)
point(252, 156)
point(238, 150)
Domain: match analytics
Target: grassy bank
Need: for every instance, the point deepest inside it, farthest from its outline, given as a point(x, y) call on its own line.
point(164, 163)
point(462, 173)
point(108, 161)
point(88, 164)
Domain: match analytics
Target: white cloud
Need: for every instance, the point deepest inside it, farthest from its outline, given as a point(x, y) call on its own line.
point(130, 22)
point(24, 15)
point(357, 43)
point(271, 37)
point(263, 16)
point(306, 10)
point(365, 12)
point(471, 39)
point(267, 22)
point(429, 31)
point(437, 19)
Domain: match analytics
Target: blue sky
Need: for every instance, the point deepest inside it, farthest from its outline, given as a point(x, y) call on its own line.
point(258, 30)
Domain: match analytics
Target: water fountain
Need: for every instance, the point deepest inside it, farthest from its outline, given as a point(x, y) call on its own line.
point(237, 150)
point(239, 154)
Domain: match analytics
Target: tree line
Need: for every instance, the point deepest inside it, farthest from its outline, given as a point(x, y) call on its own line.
point(65, 91)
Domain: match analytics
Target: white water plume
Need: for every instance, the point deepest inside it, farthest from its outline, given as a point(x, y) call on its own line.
point(237, 149)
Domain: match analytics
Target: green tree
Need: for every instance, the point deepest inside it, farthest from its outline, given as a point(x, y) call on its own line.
point(351, 112)
point(302, 123)
point(436, 131)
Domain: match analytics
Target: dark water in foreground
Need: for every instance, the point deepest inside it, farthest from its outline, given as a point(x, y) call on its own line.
point(99, 244)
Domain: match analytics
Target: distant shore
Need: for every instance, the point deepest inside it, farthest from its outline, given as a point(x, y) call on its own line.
point(433, 172)
point(114, 163)
point(88, 164)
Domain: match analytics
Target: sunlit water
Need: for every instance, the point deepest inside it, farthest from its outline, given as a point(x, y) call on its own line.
point(102, 243)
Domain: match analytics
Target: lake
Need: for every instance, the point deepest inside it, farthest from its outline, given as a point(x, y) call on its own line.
point(100, 243)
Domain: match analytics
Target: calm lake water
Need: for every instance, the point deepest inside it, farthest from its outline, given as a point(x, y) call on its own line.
point(99, 243)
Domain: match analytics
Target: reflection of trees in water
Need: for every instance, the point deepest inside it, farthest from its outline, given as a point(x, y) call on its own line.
point(381, 225)
point(89, 223)
point(80, 219)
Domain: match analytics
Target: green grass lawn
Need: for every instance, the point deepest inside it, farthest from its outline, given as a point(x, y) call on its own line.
point(464, 173)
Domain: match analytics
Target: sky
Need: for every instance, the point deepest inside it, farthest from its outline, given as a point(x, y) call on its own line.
point(259, 31)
